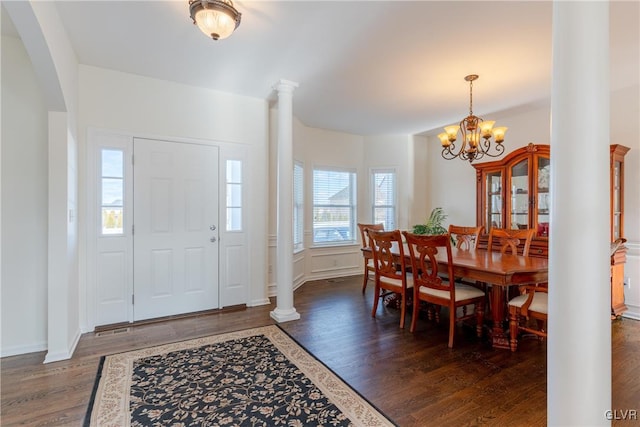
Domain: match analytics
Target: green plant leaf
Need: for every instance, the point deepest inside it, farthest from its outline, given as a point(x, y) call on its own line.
point(434, 224)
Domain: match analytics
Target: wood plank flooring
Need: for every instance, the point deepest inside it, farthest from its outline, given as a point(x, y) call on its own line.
point(413, 378)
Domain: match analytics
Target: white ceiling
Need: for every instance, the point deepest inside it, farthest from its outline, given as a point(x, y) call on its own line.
point(364, 67)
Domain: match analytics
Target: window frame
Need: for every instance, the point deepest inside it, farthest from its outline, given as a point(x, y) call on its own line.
point(373, 193)
point(298, 207)
point(228, 192)
point(352, 207)
point(101, 188)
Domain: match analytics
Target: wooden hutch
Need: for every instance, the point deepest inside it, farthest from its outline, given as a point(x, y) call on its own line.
point(514, 193)
point(619, 250)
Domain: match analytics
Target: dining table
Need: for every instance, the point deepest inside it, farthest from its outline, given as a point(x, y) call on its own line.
point(499, 271)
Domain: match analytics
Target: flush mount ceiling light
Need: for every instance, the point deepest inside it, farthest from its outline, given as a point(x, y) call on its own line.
point(472, 129)
point(216, 18)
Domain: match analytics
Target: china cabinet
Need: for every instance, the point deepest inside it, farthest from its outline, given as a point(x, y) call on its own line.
point(514, 192)
point(618, 250)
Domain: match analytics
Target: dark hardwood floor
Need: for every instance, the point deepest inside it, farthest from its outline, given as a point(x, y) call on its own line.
point(413, 378)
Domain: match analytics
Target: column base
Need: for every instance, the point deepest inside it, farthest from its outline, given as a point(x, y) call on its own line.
point(280, 315)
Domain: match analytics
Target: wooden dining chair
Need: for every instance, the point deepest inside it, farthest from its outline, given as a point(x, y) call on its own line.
point(431, 288)
point(368, 256)
point(465, 237)
point(531, 306)
point(510, 240)
point(514, 241)
point(391, 275)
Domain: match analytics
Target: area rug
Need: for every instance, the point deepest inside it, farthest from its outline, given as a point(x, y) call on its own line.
point(254, 377)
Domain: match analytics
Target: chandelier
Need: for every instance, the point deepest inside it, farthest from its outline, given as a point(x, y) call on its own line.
point(476, 135)
point(216, 18)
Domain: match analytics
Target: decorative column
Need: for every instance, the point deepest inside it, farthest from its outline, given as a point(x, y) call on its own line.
point(579, 342)
point(285, 310)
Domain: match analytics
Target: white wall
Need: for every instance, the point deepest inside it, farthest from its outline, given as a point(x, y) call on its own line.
point(388, 152)
point(24, 204)
point(55, 66)
point(420, 193)
point(108, 100)
point(140, 106)
point(320, 147)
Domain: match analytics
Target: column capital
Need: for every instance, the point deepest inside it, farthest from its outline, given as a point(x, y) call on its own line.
point(283, 85)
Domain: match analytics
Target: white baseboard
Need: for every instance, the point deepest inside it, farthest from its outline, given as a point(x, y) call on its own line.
point(633, 312)
point(64, 355)
point(23, 349)
point(258, 302)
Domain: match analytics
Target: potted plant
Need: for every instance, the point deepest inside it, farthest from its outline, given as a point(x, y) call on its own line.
point(433, 225)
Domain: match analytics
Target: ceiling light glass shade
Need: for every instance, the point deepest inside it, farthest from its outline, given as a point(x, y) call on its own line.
point(444, 139)
point(473, 139)
point(452, 132)
point(498, 134)
point(216, 18)
point(485, 128)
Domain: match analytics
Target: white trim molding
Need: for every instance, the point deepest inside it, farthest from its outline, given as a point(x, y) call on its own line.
point(632, 281)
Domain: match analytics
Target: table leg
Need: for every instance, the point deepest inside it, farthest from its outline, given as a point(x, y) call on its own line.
point(499, 338)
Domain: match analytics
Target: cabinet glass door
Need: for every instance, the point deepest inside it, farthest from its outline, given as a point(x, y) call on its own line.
point(493, 212)
point(544, 201)
point(519, 195)
point(616, 200)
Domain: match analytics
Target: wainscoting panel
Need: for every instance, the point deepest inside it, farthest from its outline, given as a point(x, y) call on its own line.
point(632, 281)
point(315, 263)
point(335, 261)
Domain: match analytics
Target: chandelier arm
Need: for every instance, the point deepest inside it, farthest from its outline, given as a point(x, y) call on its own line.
point(447, 153)
point(463, 138)
point(486, 148)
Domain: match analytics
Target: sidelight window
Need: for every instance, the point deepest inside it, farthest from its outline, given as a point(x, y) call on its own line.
point(112, 191)
point(234, 195)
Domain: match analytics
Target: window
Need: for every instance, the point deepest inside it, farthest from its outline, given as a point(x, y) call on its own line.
point(334, 206)
point(384, 197)
point(298, 206)
point(112, 191)
point(234, 195)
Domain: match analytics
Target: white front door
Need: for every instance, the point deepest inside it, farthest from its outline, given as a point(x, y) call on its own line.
point(175, 228)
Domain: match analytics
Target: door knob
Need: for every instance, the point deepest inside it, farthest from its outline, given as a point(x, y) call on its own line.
point(212, 227)
point(212, 240)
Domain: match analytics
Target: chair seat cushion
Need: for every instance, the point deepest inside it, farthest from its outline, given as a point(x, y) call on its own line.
point(462, 292)
point(398, 282)
point(539, 304)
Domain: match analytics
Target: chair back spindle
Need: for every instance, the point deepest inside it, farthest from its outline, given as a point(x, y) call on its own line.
point(391, 275)
point(465, 237)
point(367, 256)
point(510, 240)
